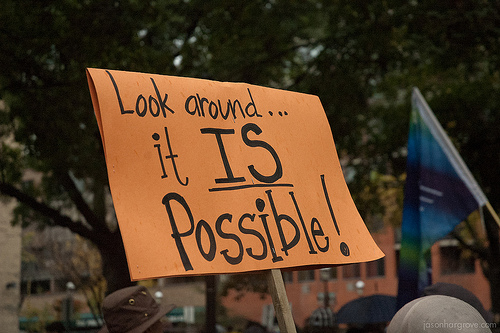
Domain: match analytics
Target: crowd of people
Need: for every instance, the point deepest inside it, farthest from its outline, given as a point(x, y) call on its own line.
point(442, 308)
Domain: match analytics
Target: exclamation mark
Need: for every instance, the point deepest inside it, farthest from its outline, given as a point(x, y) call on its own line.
point(344, 249)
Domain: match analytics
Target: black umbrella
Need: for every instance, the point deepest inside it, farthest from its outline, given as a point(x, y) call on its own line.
point(368, 310)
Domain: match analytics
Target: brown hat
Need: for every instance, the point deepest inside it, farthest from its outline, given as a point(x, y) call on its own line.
point(131, 310)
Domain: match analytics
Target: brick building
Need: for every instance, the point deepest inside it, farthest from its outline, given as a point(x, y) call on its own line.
point(306, 289)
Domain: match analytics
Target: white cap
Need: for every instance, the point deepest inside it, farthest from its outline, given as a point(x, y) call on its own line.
point(438, 313)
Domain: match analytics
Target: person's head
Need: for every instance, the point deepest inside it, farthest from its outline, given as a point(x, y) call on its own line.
point(457, 291)
point(133, 310)
point(437, 313)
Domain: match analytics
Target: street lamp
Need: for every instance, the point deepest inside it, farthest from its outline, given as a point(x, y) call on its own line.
point(324, 274)
point(360, 286)
point(67, 310)
point(70, 286)
point(322, 319)
point(158, 296)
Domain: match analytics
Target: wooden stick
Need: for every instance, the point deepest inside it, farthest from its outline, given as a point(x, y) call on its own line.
point(280, 301)
point(493, 213)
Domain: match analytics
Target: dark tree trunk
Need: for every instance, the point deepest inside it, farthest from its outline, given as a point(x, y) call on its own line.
point(114, 263)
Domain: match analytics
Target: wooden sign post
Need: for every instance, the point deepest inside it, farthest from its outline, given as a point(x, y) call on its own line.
point(216, 178)
point(280, 301)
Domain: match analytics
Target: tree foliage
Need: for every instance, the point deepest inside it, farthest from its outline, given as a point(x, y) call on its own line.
point(360, 57)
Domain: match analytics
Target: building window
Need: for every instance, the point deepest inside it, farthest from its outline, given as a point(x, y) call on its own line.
point(375, 268)
point(455, 260)
point(33, 287)
point(306, 275)
point(351, 271)
point(288, 277)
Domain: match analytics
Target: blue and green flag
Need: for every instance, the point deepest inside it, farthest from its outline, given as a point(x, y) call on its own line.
point(439, 193)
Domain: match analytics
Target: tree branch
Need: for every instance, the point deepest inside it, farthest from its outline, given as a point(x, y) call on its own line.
point(42, 208)
point(481, 251)
point(80, 203)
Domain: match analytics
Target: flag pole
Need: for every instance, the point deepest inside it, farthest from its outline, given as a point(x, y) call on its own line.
point(493, 213)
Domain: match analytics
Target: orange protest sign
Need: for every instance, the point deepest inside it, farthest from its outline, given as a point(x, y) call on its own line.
point(213, 177)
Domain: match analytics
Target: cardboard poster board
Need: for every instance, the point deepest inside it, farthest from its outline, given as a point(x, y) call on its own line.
point(212, 177)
